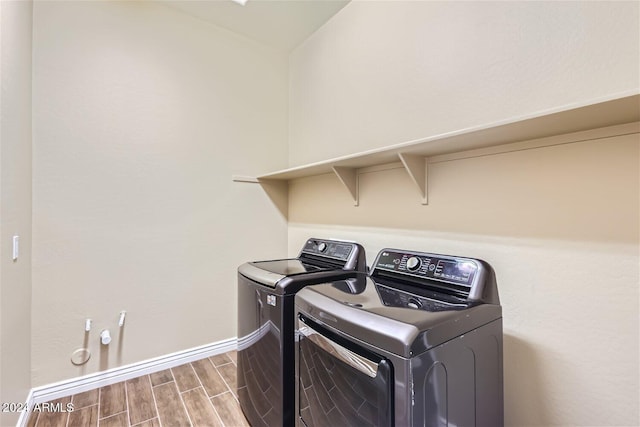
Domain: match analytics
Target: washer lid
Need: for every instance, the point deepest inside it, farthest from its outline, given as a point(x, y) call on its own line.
point(288, 267)
point(271, 272)
point(287, 276)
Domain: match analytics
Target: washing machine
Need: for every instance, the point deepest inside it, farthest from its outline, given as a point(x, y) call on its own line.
point(417, 343)
point(266, 324)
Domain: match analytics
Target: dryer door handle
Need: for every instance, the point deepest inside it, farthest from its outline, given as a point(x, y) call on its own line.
point(360, 363)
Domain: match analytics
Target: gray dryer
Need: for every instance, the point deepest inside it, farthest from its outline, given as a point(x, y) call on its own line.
point(418, 343)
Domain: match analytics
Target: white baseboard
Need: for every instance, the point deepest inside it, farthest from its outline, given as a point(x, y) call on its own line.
point(24, 415)
point(77, 385)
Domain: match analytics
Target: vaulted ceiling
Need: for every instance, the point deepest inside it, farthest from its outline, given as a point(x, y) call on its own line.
point(281, 24)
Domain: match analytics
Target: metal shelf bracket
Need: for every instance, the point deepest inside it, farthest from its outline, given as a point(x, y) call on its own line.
point(349, 178)
point(416, 167)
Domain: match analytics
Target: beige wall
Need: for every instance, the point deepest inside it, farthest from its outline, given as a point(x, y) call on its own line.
point(386, 72)
point(559, 225)
point(15, 203)
point(141, 116)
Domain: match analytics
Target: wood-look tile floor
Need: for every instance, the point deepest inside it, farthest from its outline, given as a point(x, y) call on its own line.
point(200, 393)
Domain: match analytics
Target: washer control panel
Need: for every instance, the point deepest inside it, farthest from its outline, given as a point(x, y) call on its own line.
point(328, 248)
point(460, 271)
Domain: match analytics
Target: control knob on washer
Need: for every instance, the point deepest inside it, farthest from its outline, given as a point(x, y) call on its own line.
point(322, 246)
point(413, 263)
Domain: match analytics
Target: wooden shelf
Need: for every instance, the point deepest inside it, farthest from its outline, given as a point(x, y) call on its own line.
point(615, 110)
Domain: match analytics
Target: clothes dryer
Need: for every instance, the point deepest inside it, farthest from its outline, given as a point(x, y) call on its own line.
point(418, 343)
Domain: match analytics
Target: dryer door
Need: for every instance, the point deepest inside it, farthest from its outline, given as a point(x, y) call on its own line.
point(340, 383)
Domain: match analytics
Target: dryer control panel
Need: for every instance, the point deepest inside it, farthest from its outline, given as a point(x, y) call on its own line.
point(466, 279)
point(461, 271)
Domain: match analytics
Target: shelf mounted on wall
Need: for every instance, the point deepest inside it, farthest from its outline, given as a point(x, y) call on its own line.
point(614, 110)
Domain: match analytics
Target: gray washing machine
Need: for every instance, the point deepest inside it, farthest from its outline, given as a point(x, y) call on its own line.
point(418, 343)
point(266, 324)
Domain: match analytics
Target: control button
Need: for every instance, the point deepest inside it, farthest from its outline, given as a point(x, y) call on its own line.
point(432, 267)
point(414, 303)
point(413, 263)
point(322, 246)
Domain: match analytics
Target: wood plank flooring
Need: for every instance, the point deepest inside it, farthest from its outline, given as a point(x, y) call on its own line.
point(200, 393)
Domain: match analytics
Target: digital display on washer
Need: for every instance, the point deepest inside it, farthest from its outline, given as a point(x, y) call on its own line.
point(458, 271)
